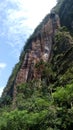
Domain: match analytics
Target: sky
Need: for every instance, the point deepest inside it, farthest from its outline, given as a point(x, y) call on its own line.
point(18, 19)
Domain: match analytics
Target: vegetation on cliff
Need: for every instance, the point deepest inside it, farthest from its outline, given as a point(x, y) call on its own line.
point(40, 109)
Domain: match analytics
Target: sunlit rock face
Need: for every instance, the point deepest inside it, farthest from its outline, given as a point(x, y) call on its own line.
point(40, 50)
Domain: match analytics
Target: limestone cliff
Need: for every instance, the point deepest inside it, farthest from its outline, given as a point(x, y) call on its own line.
point(40, 49)
point(44, 43)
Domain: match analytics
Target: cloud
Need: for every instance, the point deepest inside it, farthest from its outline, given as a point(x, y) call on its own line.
point(2, 76)
point(14, 28)
point(1, 90)
point(18, 18)
point(2, 65)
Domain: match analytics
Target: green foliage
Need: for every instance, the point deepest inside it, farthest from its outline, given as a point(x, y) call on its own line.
point(30, 96)
point(37, 111)
point(64, 96)
point(22, 120)
point(62, 57)
point(5, 101)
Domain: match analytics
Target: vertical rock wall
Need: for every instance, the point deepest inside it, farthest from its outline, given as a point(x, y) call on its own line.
point(41, 49)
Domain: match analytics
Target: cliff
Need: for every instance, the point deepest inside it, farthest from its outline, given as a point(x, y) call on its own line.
point(39, 47)
point(64, 9)
point(39, 92)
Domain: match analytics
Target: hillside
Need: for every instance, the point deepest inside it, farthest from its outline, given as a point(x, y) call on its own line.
point(39, 92)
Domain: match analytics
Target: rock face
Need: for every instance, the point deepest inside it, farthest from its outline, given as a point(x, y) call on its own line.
point(66, 15)
point(40, 50)
point(41, 47)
